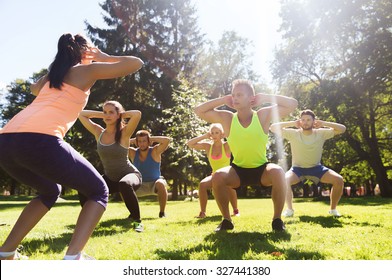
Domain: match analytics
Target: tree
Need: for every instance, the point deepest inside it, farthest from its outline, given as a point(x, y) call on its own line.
point(186, 166)
point(341, 51)
point(219, 65)
point(165, 35)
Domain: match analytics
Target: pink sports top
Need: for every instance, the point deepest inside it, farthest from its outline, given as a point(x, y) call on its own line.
point(52, 112)
point(217, 163)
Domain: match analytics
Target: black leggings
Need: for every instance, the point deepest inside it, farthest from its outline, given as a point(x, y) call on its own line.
point(126, 187)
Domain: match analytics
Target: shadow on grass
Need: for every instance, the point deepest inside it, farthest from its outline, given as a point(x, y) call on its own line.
point(236, 245)
point(50, 245)
point(325, 222)
point(46, 244)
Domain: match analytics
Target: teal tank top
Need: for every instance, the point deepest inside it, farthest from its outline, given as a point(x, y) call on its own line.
point(248, 145)
point(150, 169)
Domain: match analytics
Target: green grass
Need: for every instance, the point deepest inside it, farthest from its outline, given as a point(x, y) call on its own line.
point(363, 233)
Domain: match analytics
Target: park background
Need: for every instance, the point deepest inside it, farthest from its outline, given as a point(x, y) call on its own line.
point(334, 57)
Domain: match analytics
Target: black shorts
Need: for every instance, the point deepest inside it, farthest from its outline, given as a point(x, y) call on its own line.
point(249, 176)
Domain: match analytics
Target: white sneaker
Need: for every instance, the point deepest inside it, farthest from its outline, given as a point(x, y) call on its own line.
point(334, 213)
point(79, 257)
point(288, 213)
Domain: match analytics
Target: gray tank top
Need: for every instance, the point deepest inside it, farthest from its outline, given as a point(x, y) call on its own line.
point(115, 161)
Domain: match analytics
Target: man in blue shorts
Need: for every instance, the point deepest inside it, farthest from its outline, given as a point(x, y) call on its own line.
point(306, 137)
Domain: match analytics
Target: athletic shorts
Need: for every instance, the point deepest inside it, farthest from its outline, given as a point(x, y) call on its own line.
point(149, 188)
point(46, 162)
point(249, 176)
point(313, 173)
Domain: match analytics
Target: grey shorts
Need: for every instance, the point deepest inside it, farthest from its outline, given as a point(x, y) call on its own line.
point(149, 188)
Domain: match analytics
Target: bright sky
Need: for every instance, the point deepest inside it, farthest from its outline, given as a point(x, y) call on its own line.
point(30, 29)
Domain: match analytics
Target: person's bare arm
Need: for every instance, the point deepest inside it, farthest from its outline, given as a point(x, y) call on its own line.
point(163, 143)
point(85, 117)
point(197, 144)
point(134, 117)
point(337, 127)
point(279, 126)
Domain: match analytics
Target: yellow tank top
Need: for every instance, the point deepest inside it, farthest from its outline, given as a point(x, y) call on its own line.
point(223, 161)
point(248, 145)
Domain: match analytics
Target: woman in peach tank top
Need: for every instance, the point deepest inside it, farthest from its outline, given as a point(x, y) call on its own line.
point(32, 149)
point(219, 154)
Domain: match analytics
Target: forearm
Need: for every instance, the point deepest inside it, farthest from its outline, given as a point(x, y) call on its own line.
point(209, 106)
point(160, 139)
point(192, 142)
point(91, 114)
point(277, 127)
point(339, 128)
point(132, 114)
point(279, 100)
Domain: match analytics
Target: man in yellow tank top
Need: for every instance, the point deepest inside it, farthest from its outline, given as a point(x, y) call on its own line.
point(247, 134)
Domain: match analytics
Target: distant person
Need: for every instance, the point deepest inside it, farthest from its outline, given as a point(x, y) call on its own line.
point(147, 159)
point(306, 137)
point(32, 149)
point(219, 154)
point(247, 135)
point(112, 145)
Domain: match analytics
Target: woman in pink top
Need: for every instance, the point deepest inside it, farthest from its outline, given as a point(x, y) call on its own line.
point(32, 149)
point(219, 154)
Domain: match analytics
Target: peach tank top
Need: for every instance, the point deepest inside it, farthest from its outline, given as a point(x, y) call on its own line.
point(52, 112)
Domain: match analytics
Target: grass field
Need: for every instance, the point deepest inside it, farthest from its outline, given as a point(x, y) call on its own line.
point(363, 233)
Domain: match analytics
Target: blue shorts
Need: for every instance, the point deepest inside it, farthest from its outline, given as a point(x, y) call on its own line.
point(46, 162)
point(312, 173)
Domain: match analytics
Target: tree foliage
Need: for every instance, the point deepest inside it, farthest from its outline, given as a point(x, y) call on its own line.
point(337, 58)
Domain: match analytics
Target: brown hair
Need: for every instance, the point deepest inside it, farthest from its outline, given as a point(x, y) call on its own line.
point(143, 133)
point(120, 122)
point(308, 112)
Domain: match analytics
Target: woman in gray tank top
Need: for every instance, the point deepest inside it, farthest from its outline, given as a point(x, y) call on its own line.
point(112, 146)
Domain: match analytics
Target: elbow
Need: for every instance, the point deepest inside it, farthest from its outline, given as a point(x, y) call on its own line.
point(138, 115)
point(137, 63)
point(293, 104)
point(198, 111)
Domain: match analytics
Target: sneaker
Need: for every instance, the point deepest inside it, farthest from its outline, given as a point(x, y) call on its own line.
point(138, 226)
point(14, 255)
point(334, 213)
point(278, 225)
point(80, 257)
point(288, 213)
point(236, 213)
point(202, 215)
point(19, 256)
point(225, 225)
point(162, 215)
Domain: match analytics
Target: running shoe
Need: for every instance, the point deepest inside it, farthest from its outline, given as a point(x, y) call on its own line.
point(225, 225)
point(138, 226)
point(334, 213)
point(288, 213)
point(278, 225)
